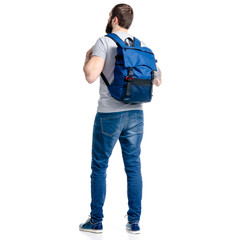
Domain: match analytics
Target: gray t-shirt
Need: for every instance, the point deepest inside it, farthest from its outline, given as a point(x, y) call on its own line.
point(106, 48)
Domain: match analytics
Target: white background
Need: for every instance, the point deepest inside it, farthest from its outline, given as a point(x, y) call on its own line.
point(190, 151)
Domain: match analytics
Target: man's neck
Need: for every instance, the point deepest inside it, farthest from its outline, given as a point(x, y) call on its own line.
point(119, 29)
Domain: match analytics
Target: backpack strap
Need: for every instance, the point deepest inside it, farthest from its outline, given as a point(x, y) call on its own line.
point(119, 42)
point(116, 39)
point(104, 79)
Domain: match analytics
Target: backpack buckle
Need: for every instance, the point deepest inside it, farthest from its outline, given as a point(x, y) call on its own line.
point(128, 78)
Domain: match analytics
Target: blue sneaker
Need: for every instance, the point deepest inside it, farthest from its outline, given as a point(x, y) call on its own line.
point(88, 226)
point(133, 227)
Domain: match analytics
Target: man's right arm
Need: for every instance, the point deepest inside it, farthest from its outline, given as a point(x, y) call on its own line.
point(93, 66)
point(95, 60)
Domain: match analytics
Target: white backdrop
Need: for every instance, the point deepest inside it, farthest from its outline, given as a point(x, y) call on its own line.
point(190, 151)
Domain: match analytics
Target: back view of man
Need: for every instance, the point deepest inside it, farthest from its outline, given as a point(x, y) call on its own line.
point(114, 121)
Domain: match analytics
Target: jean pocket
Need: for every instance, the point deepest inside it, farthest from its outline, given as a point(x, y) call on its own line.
point(139, 122)
point(111, 125)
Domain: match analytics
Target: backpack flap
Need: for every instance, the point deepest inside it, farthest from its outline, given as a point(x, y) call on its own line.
point(141, 56)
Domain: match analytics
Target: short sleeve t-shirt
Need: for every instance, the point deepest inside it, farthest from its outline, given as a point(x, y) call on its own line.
point(106, 48)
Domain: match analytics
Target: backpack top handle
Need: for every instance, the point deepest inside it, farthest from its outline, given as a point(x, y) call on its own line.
point(120, 42)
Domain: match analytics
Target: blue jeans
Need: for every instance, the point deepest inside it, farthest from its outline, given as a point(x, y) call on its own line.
point(127, 127)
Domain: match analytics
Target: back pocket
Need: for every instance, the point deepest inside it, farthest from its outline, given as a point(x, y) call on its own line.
point(111, 125)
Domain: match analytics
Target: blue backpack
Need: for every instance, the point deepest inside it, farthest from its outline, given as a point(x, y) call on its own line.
point(133, 73)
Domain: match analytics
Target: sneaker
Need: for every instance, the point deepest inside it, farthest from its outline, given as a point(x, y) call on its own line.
point(88, 226)
point(133, 228)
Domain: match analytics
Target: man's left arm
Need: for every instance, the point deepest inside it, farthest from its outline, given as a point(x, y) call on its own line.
point(93, 66)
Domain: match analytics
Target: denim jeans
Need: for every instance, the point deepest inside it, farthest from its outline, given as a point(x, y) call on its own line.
point(127, 127)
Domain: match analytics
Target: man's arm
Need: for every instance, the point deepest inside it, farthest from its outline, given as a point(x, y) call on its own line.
point(93, 66)
point(157, 77)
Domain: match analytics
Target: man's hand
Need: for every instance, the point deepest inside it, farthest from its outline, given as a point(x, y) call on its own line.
point(157, 77)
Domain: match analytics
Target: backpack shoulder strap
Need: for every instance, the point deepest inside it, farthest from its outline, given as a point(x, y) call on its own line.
point(116, 39)
point(105, 79)
point(119, 42)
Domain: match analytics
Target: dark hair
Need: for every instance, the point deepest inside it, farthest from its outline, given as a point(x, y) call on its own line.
point(124, 13)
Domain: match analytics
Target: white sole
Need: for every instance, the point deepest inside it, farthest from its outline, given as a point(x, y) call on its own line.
point(90, 230)
point(133, 232)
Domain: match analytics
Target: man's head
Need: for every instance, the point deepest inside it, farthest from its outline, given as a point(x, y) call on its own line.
point(121, 15)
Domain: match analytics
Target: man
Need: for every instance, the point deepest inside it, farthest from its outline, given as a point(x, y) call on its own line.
point(114, 121)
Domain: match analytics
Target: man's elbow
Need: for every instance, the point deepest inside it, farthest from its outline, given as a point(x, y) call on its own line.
point(89, 77)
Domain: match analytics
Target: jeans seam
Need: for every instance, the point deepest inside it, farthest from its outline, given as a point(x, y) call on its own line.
point(137, 124)
point(127, 120)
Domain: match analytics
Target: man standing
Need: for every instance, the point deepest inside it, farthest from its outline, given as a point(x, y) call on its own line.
point(114, 121)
